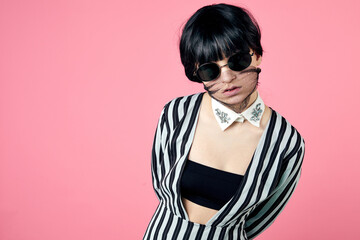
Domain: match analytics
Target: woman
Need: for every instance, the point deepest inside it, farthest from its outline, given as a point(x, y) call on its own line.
point(224, 164)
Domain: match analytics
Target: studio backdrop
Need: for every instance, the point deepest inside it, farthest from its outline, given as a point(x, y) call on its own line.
point(82, 85)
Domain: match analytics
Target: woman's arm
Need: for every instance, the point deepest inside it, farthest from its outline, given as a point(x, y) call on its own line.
point(157, 151)
point(265, 213)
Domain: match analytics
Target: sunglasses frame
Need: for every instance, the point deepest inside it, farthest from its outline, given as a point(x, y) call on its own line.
point(196, 71)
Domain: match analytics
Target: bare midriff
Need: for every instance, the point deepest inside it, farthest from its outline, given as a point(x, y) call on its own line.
point(197, 213)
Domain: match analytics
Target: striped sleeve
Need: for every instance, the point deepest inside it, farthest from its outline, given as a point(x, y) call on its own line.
point(158, 149)
point(265, 212)
point(168, 120)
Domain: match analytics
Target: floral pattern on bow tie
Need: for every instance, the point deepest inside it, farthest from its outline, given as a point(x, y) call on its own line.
point(256, 113)
point(223, 116)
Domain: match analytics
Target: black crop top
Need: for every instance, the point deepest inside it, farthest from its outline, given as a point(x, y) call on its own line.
point(207, 186)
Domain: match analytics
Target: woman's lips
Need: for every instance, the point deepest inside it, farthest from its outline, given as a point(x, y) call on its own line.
point(232, 91)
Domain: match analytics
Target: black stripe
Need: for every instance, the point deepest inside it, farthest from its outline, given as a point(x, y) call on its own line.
point(166, 120)
point(280, 170)
point(231, 233)
point(295, 148)
point(200, 232)
point(222, 233)
point(239, 229)
point(298, 143)
point(286, 162)
point(175, 112)
point(177, 229)
point(211, 233)
point(232, 228)
point(188, 231)
point(187, 103)
point(167, 227)
point(159, 225)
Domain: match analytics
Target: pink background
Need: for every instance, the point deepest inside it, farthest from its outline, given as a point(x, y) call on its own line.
point(82, 84)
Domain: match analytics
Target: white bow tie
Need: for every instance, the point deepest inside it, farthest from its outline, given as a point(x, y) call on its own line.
point(225, 116)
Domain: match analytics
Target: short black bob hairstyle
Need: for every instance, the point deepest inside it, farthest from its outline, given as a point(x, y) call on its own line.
point(215, 32)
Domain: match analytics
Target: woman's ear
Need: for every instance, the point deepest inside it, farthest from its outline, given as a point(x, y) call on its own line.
point(257, 59)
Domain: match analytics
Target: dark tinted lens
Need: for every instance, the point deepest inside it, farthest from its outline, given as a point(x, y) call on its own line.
point(239, 61)
point(208, 71)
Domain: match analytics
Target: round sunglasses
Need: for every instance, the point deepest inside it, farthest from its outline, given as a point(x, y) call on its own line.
point(211, 71)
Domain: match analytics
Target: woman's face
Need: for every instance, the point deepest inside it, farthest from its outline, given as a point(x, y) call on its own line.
point(232, 87)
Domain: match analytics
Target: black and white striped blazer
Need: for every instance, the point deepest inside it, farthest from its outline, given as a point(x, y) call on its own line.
point(268, 183)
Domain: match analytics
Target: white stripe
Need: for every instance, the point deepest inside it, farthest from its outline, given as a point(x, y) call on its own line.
point(182, 107)
point(165, 221)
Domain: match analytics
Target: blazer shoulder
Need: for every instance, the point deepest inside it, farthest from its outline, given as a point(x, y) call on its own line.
point(285, 132)
point(186, 98)
point(288, 125)
point(177, 108)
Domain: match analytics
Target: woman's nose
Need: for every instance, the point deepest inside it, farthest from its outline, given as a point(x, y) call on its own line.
point(227, 75)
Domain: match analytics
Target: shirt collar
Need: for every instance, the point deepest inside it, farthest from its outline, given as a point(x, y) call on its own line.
point(225, 116)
